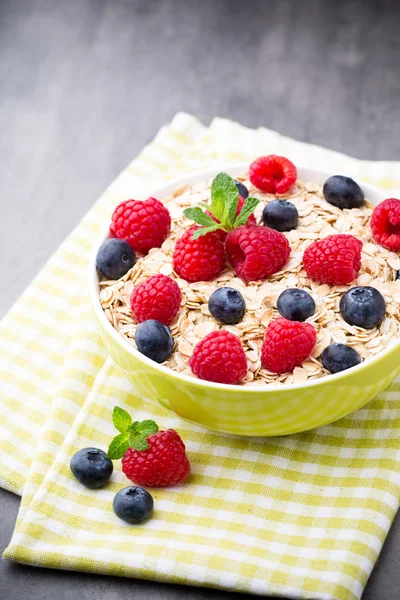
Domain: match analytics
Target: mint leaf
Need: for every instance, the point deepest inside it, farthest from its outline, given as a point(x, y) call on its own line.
point(148, 427)
point(217, 196)
point(138, 441)
point(138, 433)
point(231, 204)
point(118, 446)
point(198, 216)
point(204, 205)
point(121, 419)
point(134, 426)
point(132, 434)
point(204, 230)
point(224, 194)
point(247, 210)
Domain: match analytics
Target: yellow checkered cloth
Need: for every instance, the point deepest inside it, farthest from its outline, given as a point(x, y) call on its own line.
point(302, 516)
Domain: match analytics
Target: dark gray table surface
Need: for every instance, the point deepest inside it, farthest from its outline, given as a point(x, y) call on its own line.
point(84, 84)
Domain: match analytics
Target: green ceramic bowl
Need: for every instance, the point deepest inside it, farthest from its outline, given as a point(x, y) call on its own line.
point(240, 410)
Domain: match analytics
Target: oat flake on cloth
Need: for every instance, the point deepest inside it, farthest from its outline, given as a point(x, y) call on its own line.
point(303, 516)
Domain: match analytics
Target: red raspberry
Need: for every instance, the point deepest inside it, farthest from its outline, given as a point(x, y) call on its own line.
point(144, 224)
point(219, 357)
point(256, 252)
point(199, 260)
point(250, 221)
point(273, 174)
point(163, 463)
point(158, 297)
point(287, 344)
point(335, 259)
point(385, 224)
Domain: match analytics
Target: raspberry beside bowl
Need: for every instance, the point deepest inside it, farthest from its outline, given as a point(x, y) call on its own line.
point(275, 410)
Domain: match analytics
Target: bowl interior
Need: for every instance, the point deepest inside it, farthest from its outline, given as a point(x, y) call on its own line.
point(374, 195)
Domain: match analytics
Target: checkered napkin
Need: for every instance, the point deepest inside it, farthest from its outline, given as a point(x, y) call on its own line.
point(302, 516)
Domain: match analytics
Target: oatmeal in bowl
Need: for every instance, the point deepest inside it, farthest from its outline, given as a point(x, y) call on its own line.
point(304, 217)
point(263, 279)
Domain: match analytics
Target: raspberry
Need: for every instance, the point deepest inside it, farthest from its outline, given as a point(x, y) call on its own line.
point(158, 297)
point(164, 463)
point(287, 344)
point(385, 224)
point(219, 357)
point(335, 259)
point(256, 252)
point(272, 174)
point(250, 221)
point(199, 260)
point(144, 224)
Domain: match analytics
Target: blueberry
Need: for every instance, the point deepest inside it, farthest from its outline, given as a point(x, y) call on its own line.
point(154, 340)
point(114, 258)
point(295, 305)
point(133, 504)
point(242, 189)
point(339, 357)
point(91, 467)
point(227, 305)
point(281, 215)
point(343, 192)
point(398, 275)
point(363, 306)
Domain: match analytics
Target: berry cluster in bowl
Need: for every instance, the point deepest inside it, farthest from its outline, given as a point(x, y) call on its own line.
point(261, 280)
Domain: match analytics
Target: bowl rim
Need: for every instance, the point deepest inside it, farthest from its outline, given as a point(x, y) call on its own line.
point(271, 388)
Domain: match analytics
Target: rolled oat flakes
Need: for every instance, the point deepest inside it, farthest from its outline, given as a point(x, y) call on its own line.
point(317, 219)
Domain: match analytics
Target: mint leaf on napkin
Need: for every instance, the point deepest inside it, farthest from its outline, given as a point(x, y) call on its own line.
point(139, 432)
point(118, 446)
point(121, 419)
point(133, 435)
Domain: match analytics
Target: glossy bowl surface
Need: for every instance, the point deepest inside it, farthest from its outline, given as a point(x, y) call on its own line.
point(240, 410)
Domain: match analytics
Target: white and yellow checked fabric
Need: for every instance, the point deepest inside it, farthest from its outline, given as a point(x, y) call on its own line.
point(302, 516)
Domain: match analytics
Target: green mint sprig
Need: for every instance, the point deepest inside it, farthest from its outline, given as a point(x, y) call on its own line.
point(132, 434)
point(224, 203)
